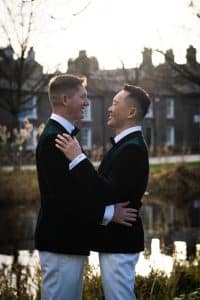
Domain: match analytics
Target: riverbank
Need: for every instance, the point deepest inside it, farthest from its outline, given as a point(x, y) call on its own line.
point(152, 161)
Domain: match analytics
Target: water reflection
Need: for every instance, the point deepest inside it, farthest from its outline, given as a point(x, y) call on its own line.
point(156, 261)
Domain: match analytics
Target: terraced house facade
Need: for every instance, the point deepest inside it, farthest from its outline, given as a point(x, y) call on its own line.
point(172, 123)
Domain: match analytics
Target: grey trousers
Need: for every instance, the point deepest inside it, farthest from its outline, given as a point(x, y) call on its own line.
point(62, 276)
point(118, 275)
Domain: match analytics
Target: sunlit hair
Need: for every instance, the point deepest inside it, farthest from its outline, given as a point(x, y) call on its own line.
point(63, 84)
point(140, 97)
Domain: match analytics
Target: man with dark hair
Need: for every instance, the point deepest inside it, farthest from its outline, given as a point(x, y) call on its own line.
point(125, 168)
point(67, 212)
point(139, 97)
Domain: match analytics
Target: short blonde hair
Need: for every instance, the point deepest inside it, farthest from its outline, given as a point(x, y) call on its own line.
point(63, 84)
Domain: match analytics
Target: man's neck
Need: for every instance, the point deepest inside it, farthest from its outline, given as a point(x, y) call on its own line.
point(63, 121)
point(126, 132)
point(119, 130)
point(63, 115)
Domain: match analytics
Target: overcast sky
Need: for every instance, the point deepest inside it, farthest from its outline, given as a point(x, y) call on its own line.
point(113, 30)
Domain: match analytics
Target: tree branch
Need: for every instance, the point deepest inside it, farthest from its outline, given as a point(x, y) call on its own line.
point(183, 70)
point(84, 8)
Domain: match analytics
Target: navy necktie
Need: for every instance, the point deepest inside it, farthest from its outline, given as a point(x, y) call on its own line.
point(112, 140)
point(75, 131)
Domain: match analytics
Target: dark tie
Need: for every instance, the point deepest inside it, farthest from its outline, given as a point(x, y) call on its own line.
point(112, 140)
point(75, 131)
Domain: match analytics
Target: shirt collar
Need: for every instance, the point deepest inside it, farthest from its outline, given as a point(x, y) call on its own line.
point(127, 131)
point(62, 121)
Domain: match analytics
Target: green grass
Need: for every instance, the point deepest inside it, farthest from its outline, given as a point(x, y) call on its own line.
point(157, 168)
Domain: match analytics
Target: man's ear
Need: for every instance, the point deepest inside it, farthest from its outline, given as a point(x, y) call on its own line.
point(64, 99)
point(132, 113)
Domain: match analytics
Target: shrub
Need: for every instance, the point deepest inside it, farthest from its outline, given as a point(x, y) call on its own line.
point(183, 284)
point(93, 289)
point(187, 278)
point(18, 187)
point(191, 296)
point(151, 287)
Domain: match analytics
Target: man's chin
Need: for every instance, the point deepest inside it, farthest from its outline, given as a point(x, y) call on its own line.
point(109, 123)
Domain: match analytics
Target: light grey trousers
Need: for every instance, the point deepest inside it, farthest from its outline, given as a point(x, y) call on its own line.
point(118, 275)
point(62, 276)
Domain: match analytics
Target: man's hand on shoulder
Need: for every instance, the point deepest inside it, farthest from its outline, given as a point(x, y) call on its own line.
point(124, 215)
point(68, 145)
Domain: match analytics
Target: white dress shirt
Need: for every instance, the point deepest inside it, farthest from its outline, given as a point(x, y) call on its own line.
point(69, 127)
point(62, 121)
point(109, 210)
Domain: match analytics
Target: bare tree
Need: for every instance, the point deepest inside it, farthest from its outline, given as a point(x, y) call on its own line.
point(21, 77)
point(189, 71)
point(186, 71)
point(195, 6)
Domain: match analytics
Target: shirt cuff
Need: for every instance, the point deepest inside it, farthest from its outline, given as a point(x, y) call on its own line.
point(108, 215)
point(77, 160)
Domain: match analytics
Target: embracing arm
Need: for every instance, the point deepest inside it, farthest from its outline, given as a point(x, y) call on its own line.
point(126, 181)
point(84, 172)
point(99, 187)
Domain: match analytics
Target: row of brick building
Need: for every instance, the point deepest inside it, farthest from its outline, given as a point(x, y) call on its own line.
point(172, 124)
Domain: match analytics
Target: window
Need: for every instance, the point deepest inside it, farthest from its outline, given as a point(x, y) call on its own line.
point(169, 108)
point(170, 136)
point(87, 112)
point(29, 110)
point(150, 112)
point(86, 138)
point(196, 118)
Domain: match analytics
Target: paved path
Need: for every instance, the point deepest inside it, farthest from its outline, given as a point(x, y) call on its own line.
point(153, 161)
point(171, 159)
point(174, 158)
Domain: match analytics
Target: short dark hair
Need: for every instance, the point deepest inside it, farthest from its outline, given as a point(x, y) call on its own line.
point(63, 84)
point(140, 96)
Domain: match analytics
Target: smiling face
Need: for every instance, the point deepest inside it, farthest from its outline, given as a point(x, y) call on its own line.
point(75, 104)
point(68, 96)
point(120, 113)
